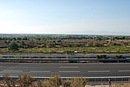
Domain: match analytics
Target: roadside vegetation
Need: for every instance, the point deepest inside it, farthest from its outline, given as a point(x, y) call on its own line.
point(64, 43)
point(26, 80)
point(107, 57)
point(54, 81)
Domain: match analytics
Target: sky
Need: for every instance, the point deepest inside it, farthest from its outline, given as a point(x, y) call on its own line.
point(103, 17)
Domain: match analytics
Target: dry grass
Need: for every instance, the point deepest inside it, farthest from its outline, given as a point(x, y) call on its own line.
point(54, 81)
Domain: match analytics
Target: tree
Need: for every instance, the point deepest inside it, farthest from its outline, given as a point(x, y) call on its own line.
point(13, 46)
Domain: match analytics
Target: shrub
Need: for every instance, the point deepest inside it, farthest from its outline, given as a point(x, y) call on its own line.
point(13, 46)
point(71, 60)
point(78, 82)
point(9, 81)
point(67, 83)
point(55, 81)
point(25, 80)
point(120, 56)
point(101, 56)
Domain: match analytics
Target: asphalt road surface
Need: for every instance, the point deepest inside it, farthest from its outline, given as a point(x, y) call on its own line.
point(66, 69)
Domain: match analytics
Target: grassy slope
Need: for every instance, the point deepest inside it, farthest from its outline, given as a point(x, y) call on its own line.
point(79, 49)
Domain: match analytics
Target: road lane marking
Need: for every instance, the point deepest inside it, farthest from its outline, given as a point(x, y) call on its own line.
point(123, 70)
point(69, 67)
point(40, 71)
point(69, 71)
point(12, 71)
point(99, 71)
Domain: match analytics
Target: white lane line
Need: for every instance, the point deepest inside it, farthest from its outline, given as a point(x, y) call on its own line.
point(12, 71)
point(69, 71)
point(69, 67)
point(123, 70)
point(40, 71)
point(99, 71)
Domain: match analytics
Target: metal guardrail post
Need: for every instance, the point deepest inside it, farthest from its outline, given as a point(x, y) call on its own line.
point(109, 82)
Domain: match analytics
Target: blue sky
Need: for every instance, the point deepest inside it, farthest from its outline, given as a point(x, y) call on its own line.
point(65, 17)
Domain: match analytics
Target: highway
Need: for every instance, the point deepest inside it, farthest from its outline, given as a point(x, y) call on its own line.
point(66, 69)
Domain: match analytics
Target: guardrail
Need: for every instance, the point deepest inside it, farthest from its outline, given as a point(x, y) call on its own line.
point(110, 80)
point(65, 59)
